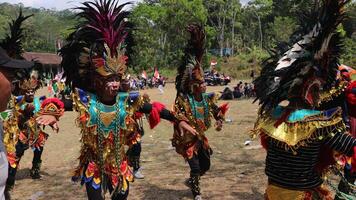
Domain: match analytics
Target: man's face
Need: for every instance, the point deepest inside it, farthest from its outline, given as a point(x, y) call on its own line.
point(199, 88)
point(6, 77)
point(30, 95)
point(107, 87)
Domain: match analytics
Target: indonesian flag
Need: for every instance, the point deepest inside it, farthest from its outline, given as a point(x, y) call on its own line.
point(49, 87)
point(156, 73)
point(349, 69)
point(351, 73)
point(144, 74)
point(213, 62)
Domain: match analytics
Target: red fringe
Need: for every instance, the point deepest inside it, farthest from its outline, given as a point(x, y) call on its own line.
point(56, 101)
point(154, 117)
point(264, 141)
point(351, 99)
point(138, 115)
point(326, 158)
point(353, 162)
point(224, 108)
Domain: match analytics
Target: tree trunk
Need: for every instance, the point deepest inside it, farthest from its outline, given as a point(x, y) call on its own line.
point(222, 35)
point(260, 27)
point(233, 33)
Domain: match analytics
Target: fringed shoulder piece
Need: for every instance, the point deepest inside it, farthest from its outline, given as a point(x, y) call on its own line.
point(301, 128)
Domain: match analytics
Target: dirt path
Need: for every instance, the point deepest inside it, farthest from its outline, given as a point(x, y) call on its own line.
point(237, 172)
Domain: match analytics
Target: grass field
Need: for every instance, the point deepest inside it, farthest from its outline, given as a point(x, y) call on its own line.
point(237, 171)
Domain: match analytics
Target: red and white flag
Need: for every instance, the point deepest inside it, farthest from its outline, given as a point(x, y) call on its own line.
point(156, 73)
point(213, 62)
point(144, 74)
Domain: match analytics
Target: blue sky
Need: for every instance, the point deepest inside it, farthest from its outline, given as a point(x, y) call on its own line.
point(61, 4)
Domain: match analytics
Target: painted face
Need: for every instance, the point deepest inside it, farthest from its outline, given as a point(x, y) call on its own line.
point(199, 88)
point(30, 95)
point(107, 87)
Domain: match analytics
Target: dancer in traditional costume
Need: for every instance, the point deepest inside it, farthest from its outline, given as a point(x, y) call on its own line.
point(298, 136)
point(23, 129)
point(94, 64)
point(197, 107)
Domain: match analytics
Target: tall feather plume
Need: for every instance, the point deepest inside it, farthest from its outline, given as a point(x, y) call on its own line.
point(102, 22)
point(13, 41)
point(314, 49)
point(192, 58)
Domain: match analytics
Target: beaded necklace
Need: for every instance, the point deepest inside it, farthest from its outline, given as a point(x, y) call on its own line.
point(193, 104)
point(114, 127)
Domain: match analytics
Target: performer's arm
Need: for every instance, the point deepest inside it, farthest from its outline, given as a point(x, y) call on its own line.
point(163, 112)
point(217, 112)
point(342, 142)
point(157, 110)
point(51, 110)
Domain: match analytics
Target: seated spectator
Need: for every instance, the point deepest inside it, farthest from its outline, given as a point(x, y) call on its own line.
point(227, 94)
point(237, 92)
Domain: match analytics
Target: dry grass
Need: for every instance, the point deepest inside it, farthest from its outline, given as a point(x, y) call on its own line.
point(236, 172)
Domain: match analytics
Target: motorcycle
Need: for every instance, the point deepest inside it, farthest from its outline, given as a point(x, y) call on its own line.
point(216, 79)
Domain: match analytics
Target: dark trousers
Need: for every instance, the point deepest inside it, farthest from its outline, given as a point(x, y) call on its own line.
point(94, 194)
point(200, 163)
point(20, 150)
point(135, 150)
point(134, 153)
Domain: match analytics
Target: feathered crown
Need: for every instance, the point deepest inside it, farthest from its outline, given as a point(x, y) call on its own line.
point(311, 62)
point(95, 45)
point(13, 41)
point(190, 71)
point(31, 83)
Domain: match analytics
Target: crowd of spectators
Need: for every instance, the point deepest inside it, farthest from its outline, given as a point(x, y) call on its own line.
point(241, 90)
point(140, 83)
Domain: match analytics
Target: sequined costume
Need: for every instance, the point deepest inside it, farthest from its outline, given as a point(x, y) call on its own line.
point(300, 136)
point(196, 107)
point(21, 130)
point(199, 114)
point(94, 64)
point(106, 130)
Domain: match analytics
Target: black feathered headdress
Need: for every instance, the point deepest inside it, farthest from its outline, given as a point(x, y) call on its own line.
point(12, 44)
point(310, 63)
point(190, 71)
point(95, 45)
point(13, 41)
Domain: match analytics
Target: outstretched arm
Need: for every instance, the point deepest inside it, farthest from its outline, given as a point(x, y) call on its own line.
point(345, 144)
point(157, 110)
point(218, 112)
point(342, 142)
point(51, 110)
